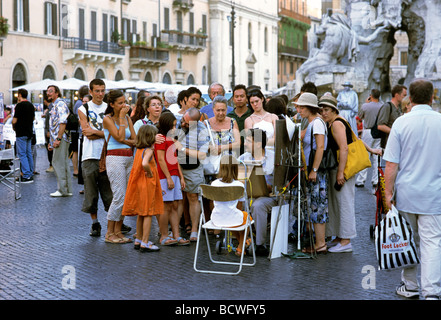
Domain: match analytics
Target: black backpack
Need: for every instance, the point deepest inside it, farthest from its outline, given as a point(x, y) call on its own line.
point(375, 133)
point(72, 121)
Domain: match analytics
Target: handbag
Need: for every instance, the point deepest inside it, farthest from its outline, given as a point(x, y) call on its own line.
point(375, 133)
point(212, 162)
point(328, 160)
point(394, 242)
point(102, 162)
point(358, 156)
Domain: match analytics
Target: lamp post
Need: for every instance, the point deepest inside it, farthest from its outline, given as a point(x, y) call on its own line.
point(233, 67)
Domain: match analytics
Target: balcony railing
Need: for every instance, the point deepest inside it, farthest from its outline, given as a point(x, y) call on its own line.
point(184, 40)
point(293, 52)
point(93, 45)
point(148, 56)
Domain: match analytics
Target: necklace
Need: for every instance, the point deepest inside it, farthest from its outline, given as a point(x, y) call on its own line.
point(260, 117)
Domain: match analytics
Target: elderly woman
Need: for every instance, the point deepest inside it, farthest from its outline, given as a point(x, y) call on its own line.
point(341, 193)
point(314, 145)
point(225, 130)
point(153, 108)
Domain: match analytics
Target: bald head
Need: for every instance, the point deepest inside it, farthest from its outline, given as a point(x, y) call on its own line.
point(193, 114)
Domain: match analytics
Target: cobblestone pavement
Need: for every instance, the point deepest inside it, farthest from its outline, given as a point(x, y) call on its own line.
point(46, 253)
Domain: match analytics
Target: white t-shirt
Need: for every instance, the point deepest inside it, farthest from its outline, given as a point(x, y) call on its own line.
point(319, 127)
point(225, 213)
point(92, 148)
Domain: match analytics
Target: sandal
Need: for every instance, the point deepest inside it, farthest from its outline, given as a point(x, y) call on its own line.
point(148, 247)
point(137, 244)
point(194, 237)
point(188, 228)
point(108, 240)
point(182, 241)
point(123, 239)
point(310, 250)
point(169, 241)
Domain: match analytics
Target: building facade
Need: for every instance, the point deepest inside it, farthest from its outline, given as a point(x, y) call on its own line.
point(169, 41)
point(293, 44)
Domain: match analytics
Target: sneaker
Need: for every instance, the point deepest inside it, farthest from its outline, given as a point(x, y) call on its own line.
point(402, 291)
point(56, 194)
point(338, 248)
point(125, 229)
point(432, 298)
point(50, 169)
point(95, 230)
point(26, 180)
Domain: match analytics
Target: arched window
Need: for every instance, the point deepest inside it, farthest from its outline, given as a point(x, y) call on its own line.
point(190, 80)
point(166, 78)
point(119, 76)
point(148, 77)
point(49, 73)
point(79, 74)
point(100, 74)
point(19, 76)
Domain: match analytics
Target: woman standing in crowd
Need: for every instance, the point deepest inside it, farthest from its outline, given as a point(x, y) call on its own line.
point(224, 129)
point(261, 119)
point(144, 193)
point(172, 181)
point(317, 181)
point(341, 193)
point(153, 109)
point(119, 132)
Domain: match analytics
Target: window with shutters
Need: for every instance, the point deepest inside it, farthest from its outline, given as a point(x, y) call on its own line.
point(166, 19)
point(93, 25)
point(64, 21)
point(50, 18)
point(21, 15)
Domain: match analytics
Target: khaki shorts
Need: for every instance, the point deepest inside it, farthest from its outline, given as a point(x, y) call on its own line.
point(193, 179)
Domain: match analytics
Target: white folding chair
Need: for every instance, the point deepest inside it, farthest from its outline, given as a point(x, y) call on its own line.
point(8, 177)
point(224, 194)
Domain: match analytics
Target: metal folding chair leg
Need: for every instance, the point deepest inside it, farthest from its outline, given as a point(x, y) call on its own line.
point(240, 264)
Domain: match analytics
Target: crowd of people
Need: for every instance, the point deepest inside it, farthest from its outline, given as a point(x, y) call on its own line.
point(147, 160)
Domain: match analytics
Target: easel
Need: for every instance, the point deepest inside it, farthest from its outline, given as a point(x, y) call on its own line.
point(288, 168)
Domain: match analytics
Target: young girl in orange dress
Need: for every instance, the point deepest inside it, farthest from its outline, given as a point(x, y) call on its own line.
point(144, 193)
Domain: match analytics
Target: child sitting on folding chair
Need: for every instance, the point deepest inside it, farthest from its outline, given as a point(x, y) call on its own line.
point(226, 213)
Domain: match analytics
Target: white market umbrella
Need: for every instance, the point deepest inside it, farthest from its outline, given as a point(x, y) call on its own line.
point(36, 86)
point(72, 84)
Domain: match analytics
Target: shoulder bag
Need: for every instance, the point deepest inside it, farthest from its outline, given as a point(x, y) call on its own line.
point(375, 133)
point(358, 156)
point(103, 155)
point(212, 162)
point(328, 160)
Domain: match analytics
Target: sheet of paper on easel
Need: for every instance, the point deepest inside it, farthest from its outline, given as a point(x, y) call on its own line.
point(279, 243)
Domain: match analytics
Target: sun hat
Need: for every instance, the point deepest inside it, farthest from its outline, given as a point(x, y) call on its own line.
point(307, 99)
point(347, 84)
point(328, 101)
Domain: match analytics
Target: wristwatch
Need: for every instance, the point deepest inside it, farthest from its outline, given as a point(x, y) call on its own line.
point(182, 149)
point(58, 139)
point(314, 169)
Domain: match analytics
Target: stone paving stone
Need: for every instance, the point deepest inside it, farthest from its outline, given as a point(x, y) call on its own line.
point(44, 240)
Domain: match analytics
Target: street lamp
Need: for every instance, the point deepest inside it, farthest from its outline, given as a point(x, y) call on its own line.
point(233, 25)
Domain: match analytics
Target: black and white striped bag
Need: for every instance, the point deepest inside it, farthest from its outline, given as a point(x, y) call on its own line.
point(394, 242)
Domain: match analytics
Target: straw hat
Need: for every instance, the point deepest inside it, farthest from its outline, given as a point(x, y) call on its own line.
point(328, 101)
point(308, 99)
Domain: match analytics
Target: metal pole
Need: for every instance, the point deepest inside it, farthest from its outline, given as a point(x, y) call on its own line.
point(233, 68)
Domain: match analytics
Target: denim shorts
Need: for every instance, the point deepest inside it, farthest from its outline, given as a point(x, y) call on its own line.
point(173, 194)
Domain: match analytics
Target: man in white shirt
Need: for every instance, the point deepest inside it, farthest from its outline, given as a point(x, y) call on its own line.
point(413, 183)
point(95, 183)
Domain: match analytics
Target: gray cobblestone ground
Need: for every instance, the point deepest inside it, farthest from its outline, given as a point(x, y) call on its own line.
point(45, 242)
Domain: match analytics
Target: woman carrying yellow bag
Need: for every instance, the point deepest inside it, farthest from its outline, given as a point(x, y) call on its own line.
point(351, 155)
